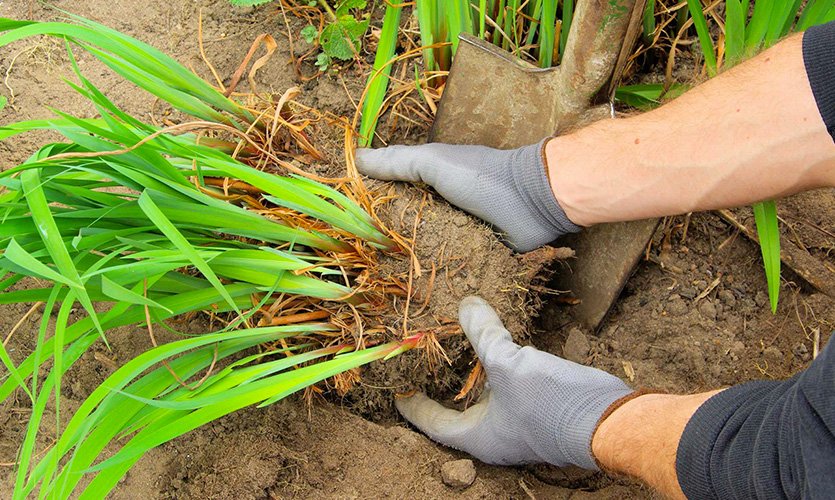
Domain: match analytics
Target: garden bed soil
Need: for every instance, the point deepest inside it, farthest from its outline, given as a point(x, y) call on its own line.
point(694, 316)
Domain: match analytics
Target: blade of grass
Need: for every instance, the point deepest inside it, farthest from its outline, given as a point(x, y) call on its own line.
point(427, 16)
point(647, 96)
point(164, 224)
point(119, 293)
point(378, 80)
point(648, 21)
point(705, 40)
point(536, 16)
point(118, 49)
point(782, 19)
point(482, 17)
point(816, 12)
point(758, 26)
point(58, 358)
point(735, 19)
point(38, 404)
point(17, 255)
point(15, 375)
point(765, 216)
point(51, 236)
point(565, 28)
point(547, 33)
point(461, 21)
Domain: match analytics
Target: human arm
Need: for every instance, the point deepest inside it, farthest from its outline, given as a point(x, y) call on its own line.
point(769, 439)
point(640, 438)
point(771, 134)
point(763, 439)
point(755, 132)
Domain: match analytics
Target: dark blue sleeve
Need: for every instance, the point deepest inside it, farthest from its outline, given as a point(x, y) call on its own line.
point(764, 439)
point(819, 59)
point(771, 439)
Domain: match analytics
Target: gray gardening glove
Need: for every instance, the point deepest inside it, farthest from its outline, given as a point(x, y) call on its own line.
point(507, 188)
point(537, 408)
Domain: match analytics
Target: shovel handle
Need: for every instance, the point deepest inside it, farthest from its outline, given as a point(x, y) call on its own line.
point(596, 44)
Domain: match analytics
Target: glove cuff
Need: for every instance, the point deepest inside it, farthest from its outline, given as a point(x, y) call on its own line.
point(564, 421)
point(532, 180)
point(575, 444)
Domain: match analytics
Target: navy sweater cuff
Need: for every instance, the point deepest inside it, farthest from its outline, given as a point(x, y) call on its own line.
point(819, 59)
point(714, 426)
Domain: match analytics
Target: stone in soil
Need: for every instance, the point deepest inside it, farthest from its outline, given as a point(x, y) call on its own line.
point(576, 346)
point(727, 297)
point(737, 350)
point(458, 473)
point(761, 298)
point(802, 352)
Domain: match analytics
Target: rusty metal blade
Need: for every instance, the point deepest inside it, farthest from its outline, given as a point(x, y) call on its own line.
point(493, 99)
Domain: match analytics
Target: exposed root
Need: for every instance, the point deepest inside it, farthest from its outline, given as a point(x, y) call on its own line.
point(32, 310)
point(474, 379)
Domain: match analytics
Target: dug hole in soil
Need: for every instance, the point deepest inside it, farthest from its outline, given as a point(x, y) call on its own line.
point(693, 317)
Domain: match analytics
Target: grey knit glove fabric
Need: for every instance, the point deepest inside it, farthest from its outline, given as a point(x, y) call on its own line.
point(537, 407)
point(507, 188)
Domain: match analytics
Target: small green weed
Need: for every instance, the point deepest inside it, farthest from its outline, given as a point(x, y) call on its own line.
point(341, 38)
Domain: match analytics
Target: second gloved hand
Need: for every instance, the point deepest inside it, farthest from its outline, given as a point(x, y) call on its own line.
point(537, 408)
point(509, 189)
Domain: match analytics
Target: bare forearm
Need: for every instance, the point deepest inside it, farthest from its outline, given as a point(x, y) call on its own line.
point(641, 437)
point(753, 133)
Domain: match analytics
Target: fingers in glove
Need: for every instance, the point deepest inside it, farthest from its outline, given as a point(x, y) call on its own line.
point(490, 339)
point(456, 429)
point(394, 163)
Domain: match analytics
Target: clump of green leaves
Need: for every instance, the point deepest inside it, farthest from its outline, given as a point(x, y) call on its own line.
point(124, 214)
point(341, 38)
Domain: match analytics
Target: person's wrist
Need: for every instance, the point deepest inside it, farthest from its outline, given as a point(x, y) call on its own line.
point(606, 443)
point(564, 161)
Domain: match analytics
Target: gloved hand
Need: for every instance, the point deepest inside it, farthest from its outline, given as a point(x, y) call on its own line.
point(536, 408)
point(507, 188)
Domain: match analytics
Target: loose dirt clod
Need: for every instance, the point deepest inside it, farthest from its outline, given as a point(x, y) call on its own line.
point(458, 473)
point(576, 346)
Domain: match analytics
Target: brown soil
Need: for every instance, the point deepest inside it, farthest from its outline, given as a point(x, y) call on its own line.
point(693, 317)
